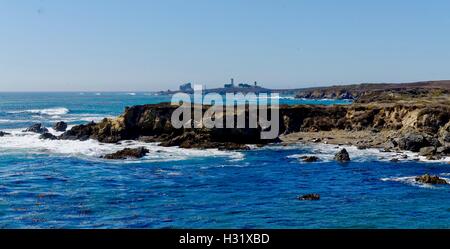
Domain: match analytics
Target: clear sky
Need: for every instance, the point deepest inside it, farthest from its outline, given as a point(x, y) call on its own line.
point(107, 45)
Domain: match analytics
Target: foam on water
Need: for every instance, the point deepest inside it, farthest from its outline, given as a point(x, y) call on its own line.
point(46, 111)
point(326, 152)
point(83, 117)
point(411, 180)
point(29, 143)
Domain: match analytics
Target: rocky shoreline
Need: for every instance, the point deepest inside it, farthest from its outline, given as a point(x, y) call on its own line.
point(418, 121)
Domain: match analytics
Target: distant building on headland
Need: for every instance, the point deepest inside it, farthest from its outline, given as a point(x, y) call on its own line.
point(231, 85)
point(187, 88)
point(227, 88)
point(240, 85)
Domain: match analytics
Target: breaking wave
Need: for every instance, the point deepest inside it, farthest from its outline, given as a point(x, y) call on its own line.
point(410, 180)
point(46, 111)
point(29, 143)
point(326, 152)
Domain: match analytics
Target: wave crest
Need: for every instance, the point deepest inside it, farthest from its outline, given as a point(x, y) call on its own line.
point(45, 111)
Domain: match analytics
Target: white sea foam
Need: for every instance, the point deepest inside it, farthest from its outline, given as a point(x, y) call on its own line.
point(85, 117)
point(29, 143)
point(46, 111)
point(326, 152)
point(12, 121)
point(411, 180)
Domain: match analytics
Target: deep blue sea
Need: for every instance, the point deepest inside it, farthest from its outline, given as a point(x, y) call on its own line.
point(64, 184)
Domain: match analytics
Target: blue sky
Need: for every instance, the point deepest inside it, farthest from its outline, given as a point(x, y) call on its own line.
point(98, 45)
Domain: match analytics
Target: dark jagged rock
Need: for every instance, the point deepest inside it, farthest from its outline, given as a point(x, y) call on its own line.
point(443, 150)
point(80, 132)
point(36, 128)
point(128, 153)
point(48, 136)
point(60, 126)
point(2, 133)
point(309, 197)
point(428, 179)
point(342, 156)
point(412, 142)
point(309, 159)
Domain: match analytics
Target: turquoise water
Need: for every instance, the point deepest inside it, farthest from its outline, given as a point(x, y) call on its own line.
point(64, 184)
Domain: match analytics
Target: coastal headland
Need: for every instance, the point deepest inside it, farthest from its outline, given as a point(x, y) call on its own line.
point(393, 117)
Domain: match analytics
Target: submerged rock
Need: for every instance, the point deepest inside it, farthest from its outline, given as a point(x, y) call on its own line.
point(37, 128)
point(128, 153)
point(342, 156)
point(430, 179)
point(48, 136)
point(60, 126)
point(309, 197)
point(309, 159)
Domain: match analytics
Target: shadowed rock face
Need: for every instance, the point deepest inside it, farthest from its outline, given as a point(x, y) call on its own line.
point(413, 142)
point(48, 136)
point(60, 126)
point(128, 153)
point(36, 128)
point(342, 156)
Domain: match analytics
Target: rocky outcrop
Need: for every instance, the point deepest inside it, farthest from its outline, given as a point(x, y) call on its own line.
point(36, 128)
point(428, 179)
point(342, 156)
point(309, 197)
point(411, 125)
point(367, 93)
point(48, 136)
point(128, 153)
point(152, 123)
point(413, 142)
point(60, 126)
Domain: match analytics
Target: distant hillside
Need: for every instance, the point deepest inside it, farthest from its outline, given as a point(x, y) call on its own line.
point(360, 91)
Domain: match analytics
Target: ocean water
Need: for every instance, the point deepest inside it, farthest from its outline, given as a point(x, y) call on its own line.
point(64, 184)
